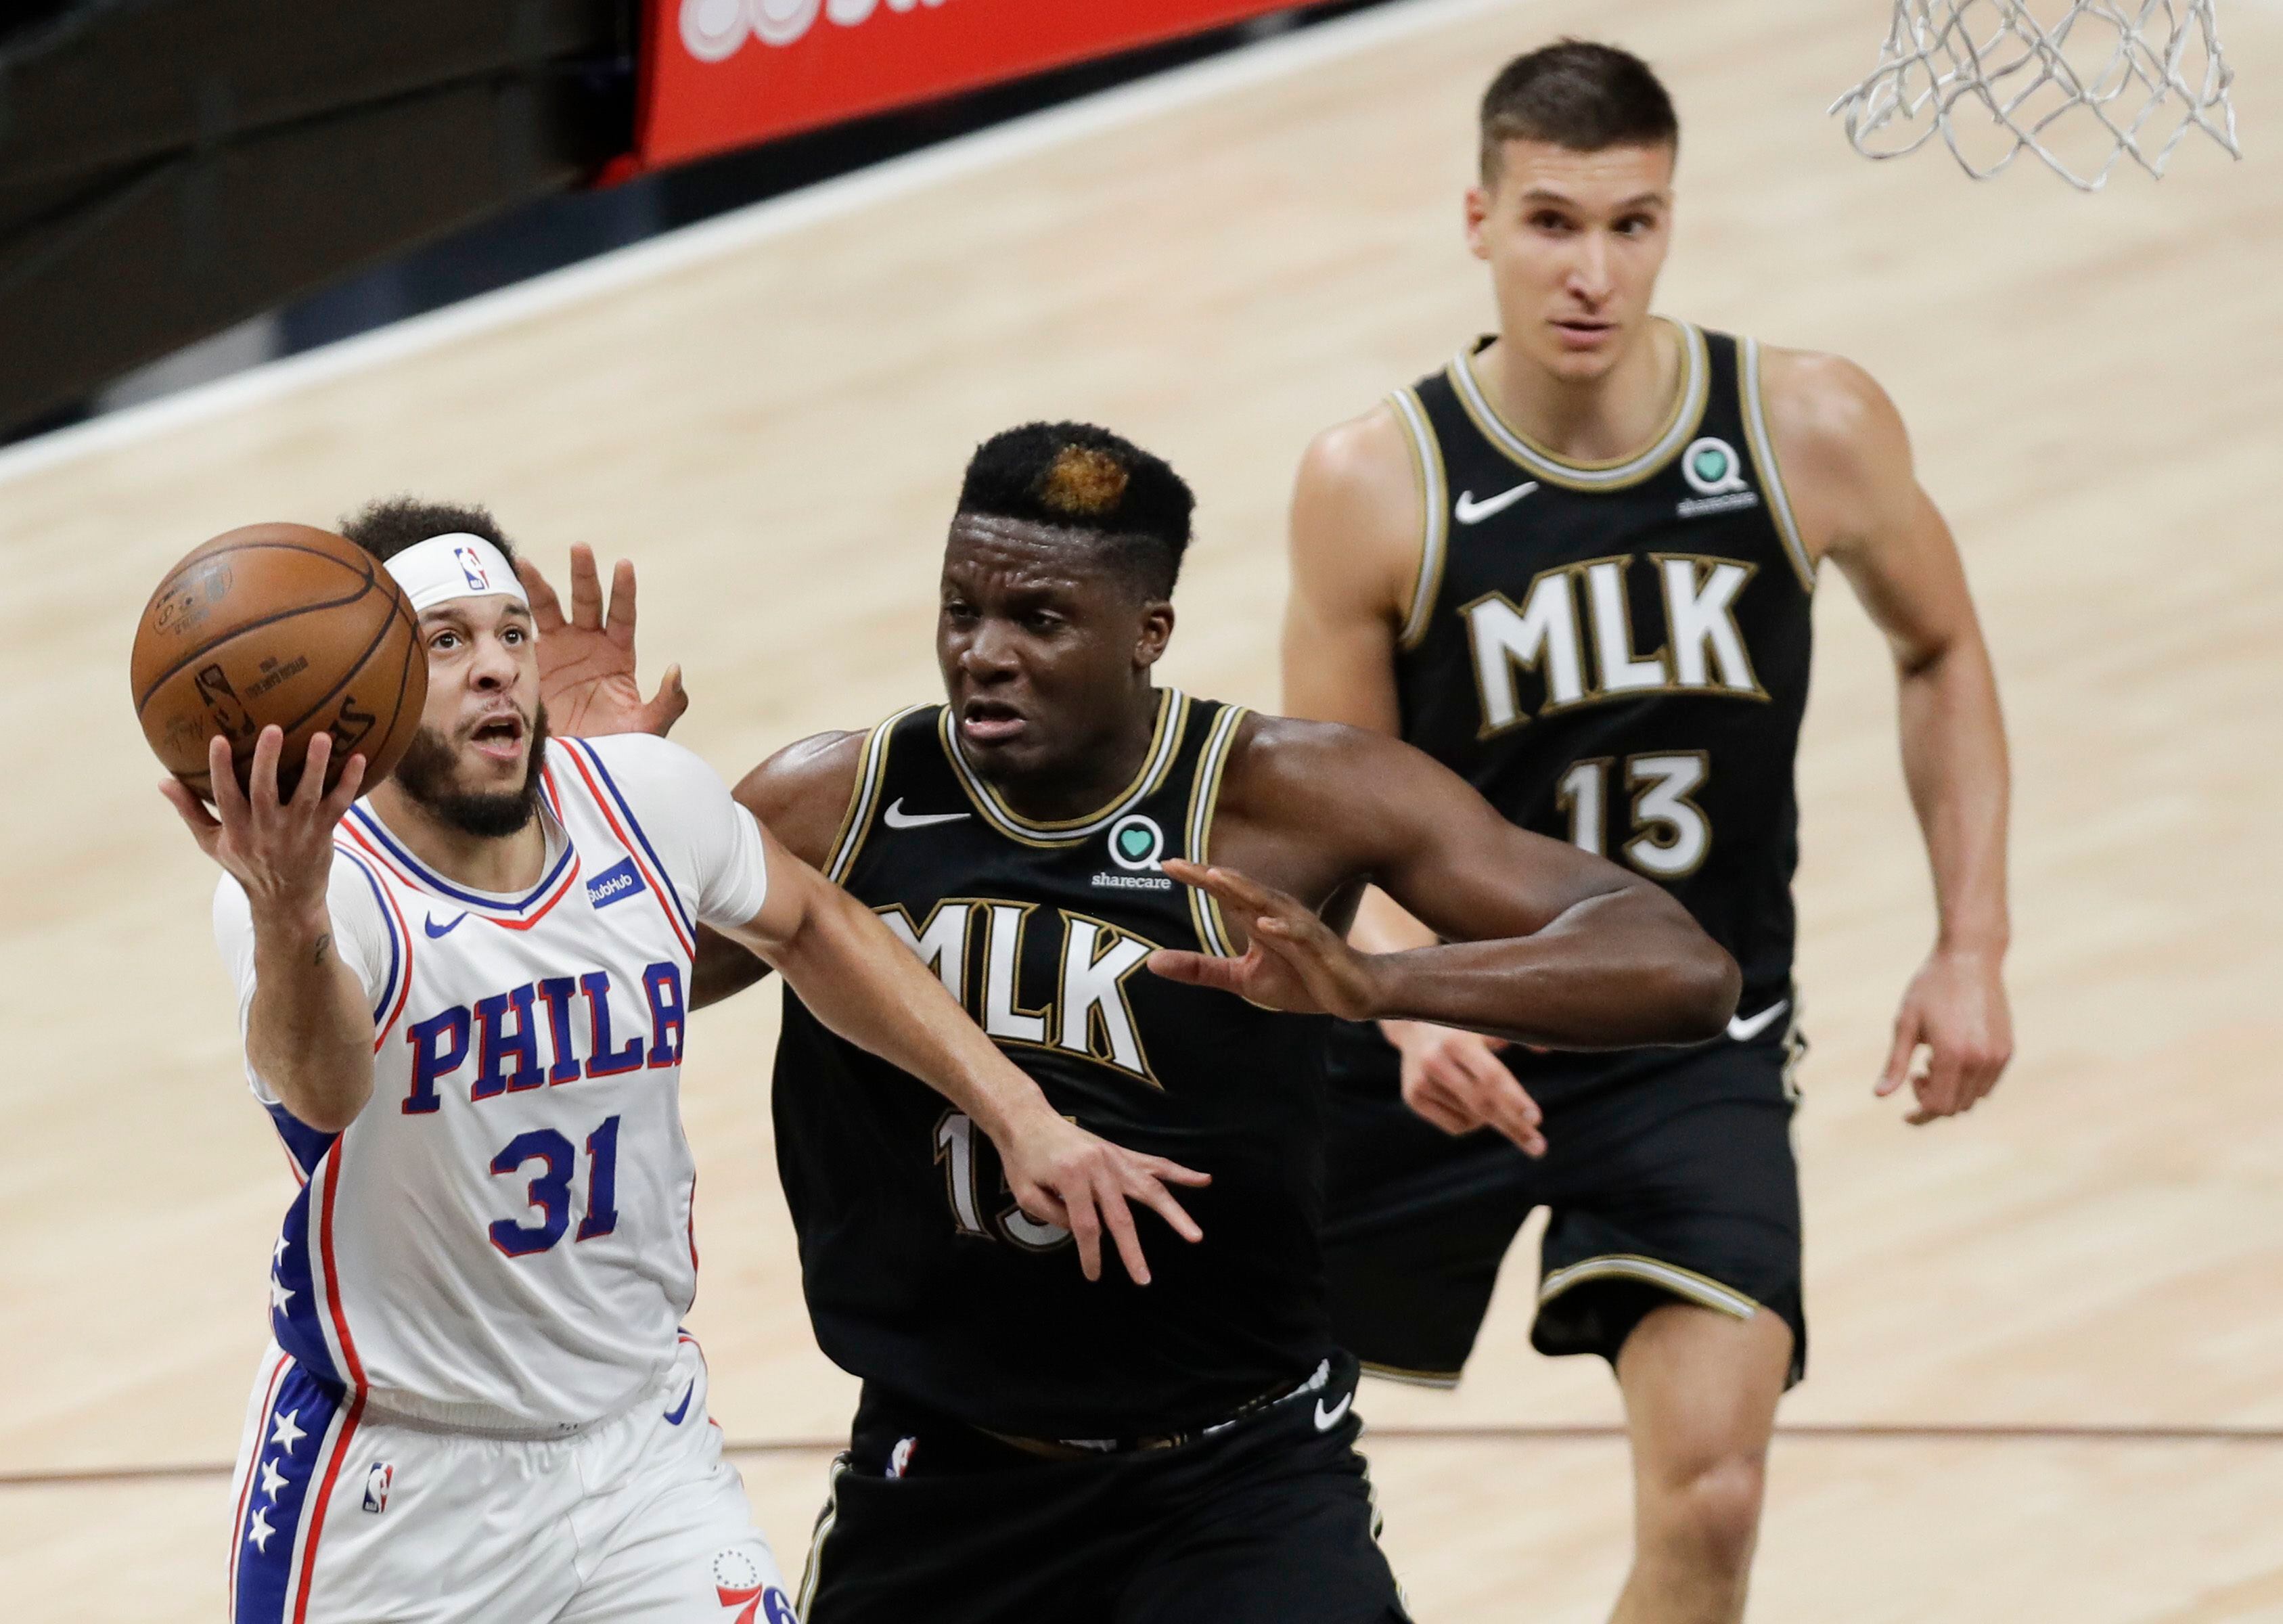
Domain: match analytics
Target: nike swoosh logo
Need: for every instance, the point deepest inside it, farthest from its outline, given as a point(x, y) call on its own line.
point(1327, 1419)
point(896, 817)
point(1745, 1031)
point(429, 925)
point(674, 1417)
point(1466, 510)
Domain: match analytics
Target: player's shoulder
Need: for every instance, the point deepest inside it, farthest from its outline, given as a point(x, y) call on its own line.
point(1286, 760)
point(1368, 454)
point(1826, 407)
point(803, 791)
point(642, 760)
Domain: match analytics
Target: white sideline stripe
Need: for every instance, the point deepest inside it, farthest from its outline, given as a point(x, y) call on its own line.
point(1272, 58)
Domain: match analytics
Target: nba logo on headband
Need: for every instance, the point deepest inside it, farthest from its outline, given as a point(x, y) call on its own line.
point(444, 567)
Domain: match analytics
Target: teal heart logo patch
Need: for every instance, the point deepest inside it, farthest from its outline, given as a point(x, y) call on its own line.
point(1136, 842)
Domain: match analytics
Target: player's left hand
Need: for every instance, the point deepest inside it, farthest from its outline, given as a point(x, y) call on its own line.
point(587, 663)
point(1956, 1010)
point(1293, 961)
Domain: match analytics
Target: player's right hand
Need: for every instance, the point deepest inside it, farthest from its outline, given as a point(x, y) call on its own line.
point(281, 851)
point(1061, 1174)
point(1456, 1080)
point(587, 662)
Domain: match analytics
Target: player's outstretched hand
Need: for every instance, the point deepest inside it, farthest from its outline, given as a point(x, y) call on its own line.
point(281, 851)
point(1956, 1009)
point(1455, 1080)
point(1293, 961)
point(1061, 1174)
point(587, 662)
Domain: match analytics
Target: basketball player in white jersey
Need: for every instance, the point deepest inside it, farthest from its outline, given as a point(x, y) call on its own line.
point(463, 1000)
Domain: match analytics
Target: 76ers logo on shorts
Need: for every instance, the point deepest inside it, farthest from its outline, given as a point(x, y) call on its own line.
point(739, 1581)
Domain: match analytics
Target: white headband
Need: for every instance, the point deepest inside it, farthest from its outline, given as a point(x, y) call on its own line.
point(456, 565)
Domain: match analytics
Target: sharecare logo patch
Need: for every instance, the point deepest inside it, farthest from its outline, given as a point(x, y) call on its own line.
point(614, 885)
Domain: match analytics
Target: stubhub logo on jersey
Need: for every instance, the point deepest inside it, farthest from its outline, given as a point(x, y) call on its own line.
point(530, 1036)
point(615, 885)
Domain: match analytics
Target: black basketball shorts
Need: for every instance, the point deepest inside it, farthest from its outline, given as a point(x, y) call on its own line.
point(1670, 1177)
point(1267, 1520)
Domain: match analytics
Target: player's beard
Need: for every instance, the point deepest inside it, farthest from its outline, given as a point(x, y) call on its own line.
point(424, 774)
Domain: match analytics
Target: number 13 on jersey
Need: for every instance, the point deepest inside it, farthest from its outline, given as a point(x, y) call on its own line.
point(1670, 834)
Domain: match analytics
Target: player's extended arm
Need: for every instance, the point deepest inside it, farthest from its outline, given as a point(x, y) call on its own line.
point(309, 1033)
point(1848, 457)
point(857, 979)
point(1546, 943)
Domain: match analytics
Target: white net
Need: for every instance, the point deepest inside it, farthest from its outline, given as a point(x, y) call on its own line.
point(2082, 83)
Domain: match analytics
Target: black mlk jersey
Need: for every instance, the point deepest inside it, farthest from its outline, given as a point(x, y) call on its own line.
point(1617, 654)
point(922, 1273)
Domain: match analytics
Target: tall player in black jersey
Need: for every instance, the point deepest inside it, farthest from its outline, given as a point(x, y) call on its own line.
point(1568, 568)
point(1033, 1447)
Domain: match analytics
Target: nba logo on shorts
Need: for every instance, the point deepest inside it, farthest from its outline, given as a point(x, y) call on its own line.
point(899, 1458)
point(377, 1479)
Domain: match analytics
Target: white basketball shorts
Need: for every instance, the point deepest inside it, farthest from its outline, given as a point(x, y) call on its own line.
point(346, 1517)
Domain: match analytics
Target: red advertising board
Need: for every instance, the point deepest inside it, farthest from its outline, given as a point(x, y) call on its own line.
point(722, 73)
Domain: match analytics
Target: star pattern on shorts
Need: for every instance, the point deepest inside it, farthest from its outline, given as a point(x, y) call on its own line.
point(272, 1480)
point(258, 1531)
point(279, 1295)
point(285, 1430)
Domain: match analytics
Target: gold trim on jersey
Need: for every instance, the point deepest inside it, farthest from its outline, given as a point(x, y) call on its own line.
point(1699, 1289)
point(1435, 530)
point(1204, 799)
point(1173, 718)
point(864, 798)
point(1687, 412)
point(1414, 1378)
point(1764, 456)
point(810, 1569)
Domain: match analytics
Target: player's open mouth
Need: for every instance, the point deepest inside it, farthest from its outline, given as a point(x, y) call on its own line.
point(500, 737)
point(1584, 334)
point(989, 722)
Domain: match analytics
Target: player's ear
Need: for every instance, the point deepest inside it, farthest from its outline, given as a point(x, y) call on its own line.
point(1156, 631)
point(1478, 210)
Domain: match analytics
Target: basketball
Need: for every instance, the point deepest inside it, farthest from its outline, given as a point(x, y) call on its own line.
point(286, 624)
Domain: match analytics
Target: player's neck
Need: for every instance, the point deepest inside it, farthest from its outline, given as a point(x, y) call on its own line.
point(1607, 419)
point(1091, 780)
point(503, 864)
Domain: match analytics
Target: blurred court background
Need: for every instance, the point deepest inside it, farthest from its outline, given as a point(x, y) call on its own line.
point(2045, 1338)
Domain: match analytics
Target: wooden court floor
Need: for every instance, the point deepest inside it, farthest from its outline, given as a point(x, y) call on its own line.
point(2046, 1339)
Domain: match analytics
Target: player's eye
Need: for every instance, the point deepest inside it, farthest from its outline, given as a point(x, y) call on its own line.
point(1547, 219)
point(443, 641)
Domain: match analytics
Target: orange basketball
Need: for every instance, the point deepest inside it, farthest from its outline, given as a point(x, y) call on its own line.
point(282, 624)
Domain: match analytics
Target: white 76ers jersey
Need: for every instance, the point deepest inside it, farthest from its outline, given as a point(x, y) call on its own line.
point(503, 1235)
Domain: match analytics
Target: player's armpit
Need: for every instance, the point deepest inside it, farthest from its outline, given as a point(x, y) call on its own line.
point(722, 969)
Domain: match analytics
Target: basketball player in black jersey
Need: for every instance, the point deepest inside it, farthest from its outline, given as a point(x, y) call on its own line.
point(1033, 1447)
point(1575, 567)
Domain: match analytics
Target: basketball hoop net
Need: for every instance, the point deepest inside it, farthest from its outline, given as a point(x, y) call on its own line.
point(2090, 81)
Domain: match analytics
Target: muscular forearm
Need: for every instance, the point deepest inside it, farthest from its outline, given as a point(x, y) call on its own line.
point(1617, 971)
point(308, 1035)
point(857, 979)
point(1953, 743)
